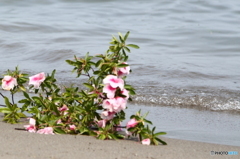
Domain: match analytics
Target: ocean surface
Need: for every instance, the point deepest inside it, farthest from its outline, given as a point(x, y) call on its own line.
point(189, 56)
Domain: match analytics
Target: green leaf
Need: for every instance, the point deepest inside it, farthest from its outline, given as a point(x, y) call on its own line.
point(160, 133)
point(5, 110)
point(36, 90)
point(57, 100)
point(132, 92)
point(86, 56)
point(148, 121)
point(53, 73)
point(119, 136)
point(8, 104)
point(59, 130)
point(125, 58)
point(159, 140)
point(70, 62)
point(23, 101)
point(127, 49)
point(88, 86)
point(153, 128)
point(38, 101)
point(26, 95)
point(133, 46)
point(55, 109)
point(102, 137)
point(22, 88)
point(99, 63)
point(127, 86)
point(21, 115)
point(122, 65)
point(96, 72)
point(121, 37)
point(155, 142)
point(126, 35)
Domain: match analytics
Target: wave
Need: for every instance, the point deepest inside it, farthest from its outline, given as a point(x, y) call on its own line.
point(218, 100)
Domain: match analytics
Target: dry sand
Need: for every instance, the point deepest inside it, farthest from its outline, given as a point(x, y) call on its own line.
point(17, 144)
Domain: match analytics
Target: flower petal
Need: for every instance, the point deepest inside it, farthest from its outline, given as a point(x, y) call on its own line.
point(37, 79)
point(8, 82)
point(109, 90)
point(46, 130)
point(132, 123)
point(146, 142)
point(114, 81)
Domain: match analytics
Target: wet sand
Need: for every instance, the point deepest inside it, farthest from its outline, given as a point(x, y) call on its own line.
point(17, 144)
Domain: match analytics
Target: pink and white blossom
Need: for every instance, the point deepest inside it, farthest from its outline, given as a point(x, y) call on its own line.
point(123, 71)
point(101, 123)
point(109, 90)
point(121, 104)
point(114, 81)
point(126, 93)
point(59, 121)
point(115, 104)
point(108, 104)
point(37, 79)
point(31, 127)
point(119, 128)
point(72, 127)
point(46, 130)
point(107, 115)
point(132, 123)
point(63, 109)
point(146, 142)
point(8, 82)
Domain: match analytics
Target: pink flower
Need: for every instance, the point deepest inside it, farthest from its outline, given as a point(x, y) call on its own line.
point(107, 115)
point(114, 81)
point(109, 90)
point(115, 104)
point(59, 121)
point(8, 82)
point(102, 123)
point(123, 71)
point(46, 130)
point(146, 142)
point(63, 109)
point(132, 123)
point(120, 104)
point(72, 127)
point(118, 128)
point(108, 104)
point(126, 93)
point(37, 79)
point(31, 127)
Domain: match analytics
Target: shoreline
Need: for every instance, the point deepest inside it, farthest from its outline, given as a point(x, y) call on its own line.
point(24, 145)
point(190, 124)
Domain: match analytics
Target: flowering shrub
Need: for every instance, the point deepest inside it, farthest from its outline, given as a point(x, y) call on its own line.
point(97, 111)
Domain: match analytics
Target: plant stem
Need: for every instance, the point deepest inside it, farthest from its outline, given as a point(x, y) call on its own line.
point(12, 98)
point(2, 95)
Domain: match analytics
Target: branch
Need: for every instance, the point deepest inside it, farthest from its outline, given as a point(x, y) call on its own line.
point(2, 95)
point(12, 98)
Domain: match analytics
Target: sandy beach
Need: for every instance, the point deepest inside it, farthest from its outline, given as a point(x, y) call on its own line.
point(17, 144)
